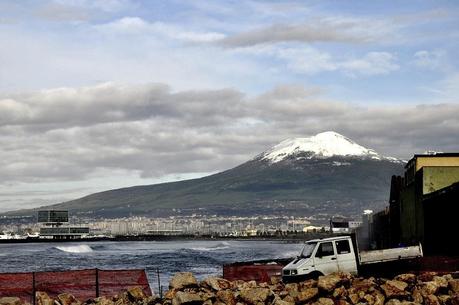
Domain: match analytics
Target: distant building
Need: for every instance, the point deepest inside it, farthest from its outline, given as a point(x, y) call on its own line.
point(54, 221)
point(343, 225)
point(422, 206)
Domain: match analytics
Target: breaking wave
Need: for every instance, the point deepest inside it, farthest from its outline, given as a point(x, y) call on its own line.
point(219, 246)
point(75, 249)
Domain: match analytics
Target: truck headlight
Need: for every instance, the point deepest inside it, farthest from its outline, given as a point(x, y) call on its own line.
point(290, 272)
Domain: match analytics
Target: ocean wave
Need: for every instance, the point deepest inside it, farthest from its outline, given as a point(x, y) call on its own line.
point(219, 246)
point(75, 249)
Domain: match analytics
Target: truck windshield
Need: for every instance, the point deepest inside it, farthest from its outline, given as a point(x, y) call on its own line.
point(307, 250)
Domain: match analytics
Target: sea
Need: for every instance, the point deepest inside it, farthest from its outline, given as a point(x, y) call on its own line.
point(164, 258)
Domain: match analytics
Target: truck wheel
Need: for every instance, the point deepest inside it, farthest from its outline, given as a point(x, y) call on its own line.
point(315, 275)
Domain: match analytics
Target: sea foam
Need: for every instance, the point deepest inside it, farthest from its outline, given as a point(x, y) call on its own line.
point(219, 246)
point(75, 249)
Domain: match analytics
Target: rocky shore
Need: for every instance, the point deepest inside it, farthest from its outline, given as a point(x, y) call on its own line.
point(334, 289)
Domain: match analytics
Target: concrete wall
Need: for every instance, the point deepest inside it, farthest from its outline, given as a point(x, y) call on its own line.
point(408, 214)
point(436, 161)
point(438, 177)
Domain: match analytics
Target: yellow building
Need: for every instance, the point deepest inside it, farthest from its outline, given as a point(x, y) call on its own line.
point(425, 176)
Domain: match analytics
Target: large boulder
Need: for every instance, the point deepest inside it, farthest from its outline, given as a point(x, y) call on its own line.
point(444, 299)
point(393, 302)
point(406, 277)
point(426, 276)
point(329, 282)
point(135, 293)
point(431, 300)
point(441, 281)
point(291, 287)
point(429, 288)
point(255, 295)
point(183, 280)
point(187, 298)
point(226, 297)
point(324, 301)
point(307, 284)
point(369, 299)
point(340, 293)
point(417, 296)
point(103, 301)
point(42, 298)
point(455, 299)
point(342, 302)
point(305, 295)
point(216, 283)
point(122, 298)
point(67, 299)
point(274, 280)
point(283, 302)
point(454, 285)
point(394, 289)
point(379, 298)
point(363, 285)
point(10, 301)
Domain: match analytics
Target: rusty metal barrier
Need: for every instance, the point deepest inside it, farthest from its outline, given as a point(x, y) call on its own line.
point(83, 284)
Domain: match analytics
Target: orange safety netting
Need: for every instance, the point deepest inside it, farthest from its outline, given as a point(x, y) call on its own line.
point(17, 284)
point(83, 284)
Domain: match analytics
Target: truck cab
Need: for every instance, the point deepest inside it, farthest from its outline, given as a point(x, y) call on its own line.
point(322, 256)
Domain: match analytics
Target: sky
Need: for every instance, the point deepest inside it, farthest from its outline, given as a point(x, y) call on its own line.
point(102, 94)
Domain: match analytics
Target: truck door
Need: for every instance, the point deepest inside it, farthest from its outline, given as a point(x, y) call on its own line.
point(325, 258)
point(345, 256)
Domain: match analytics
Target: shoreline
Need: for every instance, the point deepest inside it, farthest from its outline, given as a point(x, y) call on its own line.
point(150, 237)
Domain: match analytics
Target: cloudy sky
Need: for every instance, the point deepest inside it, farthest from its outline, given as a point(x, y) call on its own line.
point(96, 95)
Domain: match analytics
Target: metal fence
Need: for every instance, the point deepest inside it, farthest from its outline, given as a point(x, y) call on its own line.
point(83, 284)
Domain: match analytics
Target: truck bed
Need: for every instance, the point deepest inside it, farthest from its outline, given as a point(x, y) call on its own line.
point(388, 255)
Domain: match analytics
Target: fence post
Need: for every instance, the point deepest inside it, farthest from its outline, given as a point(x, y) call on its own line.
point(97, 282)
point(159, 284)
point(33, 288)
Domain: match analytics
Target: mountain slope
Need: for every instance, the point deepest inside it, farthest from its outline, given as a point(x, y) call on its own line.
point(327, 174)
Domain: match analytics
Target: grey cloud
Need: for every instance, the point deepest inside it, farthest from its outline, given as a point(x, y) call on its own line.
point(315, 31)
point(66, 107)
point(337, 29)
point(62, 12)
point(154, 131)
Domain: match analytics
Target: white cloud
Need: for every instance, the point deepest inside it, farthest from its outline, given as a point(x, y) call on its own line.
point(431, 60)
point(308, 60)
point(373, 63)
point(137, 25)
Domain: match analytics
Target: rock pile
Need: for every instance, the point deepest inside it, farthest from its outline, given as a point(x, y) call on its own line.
point(334, 289)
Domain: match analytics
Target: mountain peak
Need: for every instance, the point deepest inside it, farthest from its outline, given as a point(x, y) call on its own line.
point(323, 145)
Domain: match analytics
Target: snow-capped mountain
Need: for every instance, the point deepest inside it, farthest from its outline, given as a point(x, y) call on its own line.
point(326, 174)
point(323, 145)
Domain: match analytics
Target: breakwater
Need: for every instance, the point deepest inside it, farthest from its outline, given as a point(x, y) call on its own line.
point(335, 289)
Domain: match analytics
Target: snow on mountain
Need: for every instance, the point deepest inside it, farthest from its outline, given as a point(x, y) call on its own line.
point(323, 145)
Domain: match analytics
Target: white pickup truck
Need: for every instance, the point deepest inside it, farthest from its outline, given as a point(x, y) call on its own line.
point(328, 255)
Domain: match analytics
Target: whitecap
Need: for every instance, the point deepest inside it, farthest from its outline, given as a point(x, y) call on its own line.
point(220, 246)
point(75, 249)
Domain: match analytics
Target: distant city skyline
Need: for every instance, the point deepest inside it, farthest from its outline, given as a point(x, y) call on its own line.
point(96, 95)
